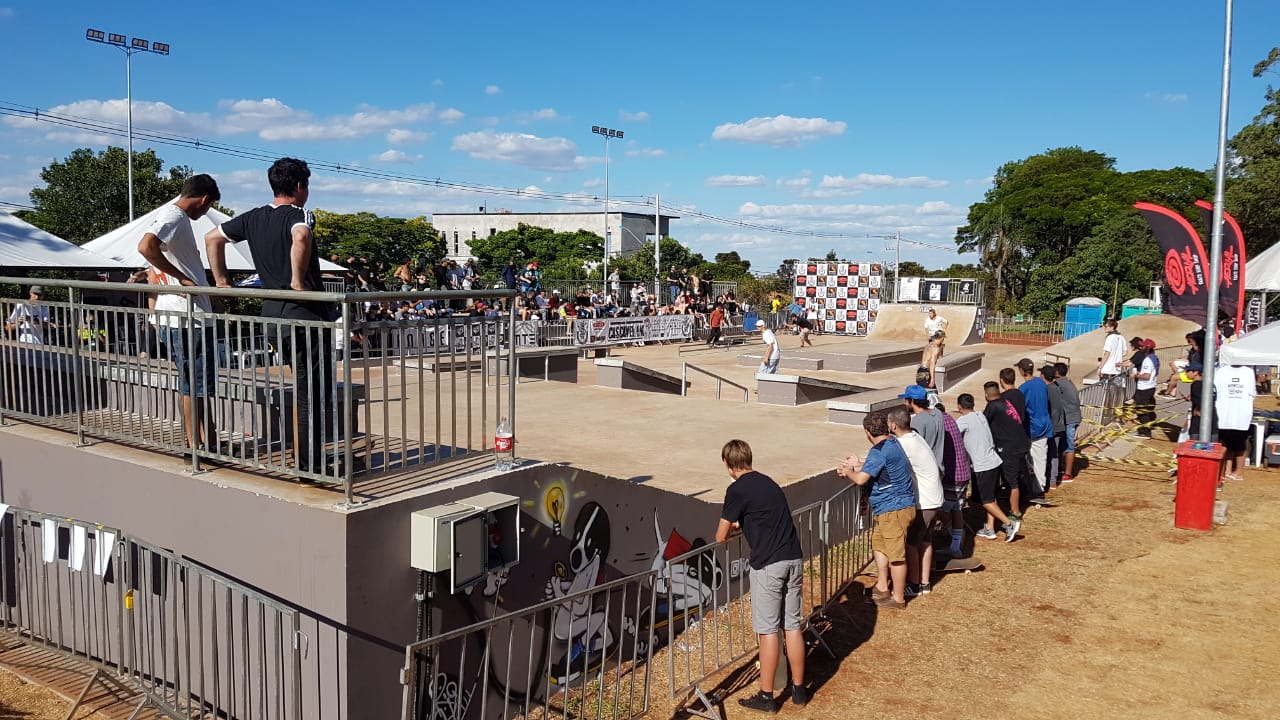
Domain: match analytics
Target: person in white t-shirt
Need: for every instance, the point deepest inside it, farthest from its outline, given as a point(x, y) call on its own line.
point(28, 320)
point(169, 245)
point(1235, 387)
point(929, 498)
point(1113, 349)
point(772, 352)
point(1146, 375)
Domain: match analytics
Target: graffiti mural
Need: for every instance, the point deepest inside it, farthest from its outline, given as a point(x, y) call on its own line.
point(682, 590)
point(581, 625)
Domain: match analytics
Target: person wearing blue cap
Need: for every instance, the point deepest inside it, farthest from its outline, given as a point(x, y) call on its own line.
point(925, 421)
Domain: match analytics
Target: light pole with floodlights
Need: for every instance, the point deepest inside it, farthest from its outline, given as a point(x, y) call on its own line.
point(128, 47)
point(607, 133)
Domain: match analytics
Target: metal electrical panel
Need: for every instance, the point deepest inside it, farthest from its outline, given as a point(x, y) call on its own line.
point(467, 538)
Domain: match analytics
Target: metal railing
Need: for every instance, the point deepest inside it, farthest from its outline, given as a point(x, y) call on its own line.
point(588, 654)
point(1024, 332)
point(192, 642)
point(684, 381)
point(323, 399)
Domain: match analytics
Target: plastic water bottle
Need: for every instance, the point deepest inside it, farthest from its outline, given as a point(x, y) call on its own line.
point(504, 446)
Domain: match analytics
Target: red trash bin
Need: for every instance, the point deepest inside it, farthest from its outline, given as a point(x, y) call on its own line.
point(1200, 467)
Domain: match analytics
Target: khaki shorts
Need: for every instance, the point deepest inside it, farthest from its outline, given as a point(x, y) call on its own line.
point(889, 536)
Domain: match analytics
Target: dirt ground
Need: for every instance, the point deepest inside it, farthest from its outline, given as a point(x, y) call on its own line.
point(1103, 609)
point(21, 700)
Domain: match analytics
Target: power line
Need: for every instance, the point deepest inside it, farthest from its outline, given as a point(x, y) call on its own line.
point(244, 152)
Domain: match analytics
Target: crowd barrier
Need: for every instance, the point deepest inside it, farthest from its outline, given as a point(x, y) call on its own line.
point(689, 616)
point(190, 641)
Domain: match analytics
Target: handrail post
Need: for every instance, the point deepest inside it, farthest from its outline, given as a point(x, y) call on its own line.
point(512, 374)
point(197, 403)
point(346, 404)
point(684, 379)
point(77, 382)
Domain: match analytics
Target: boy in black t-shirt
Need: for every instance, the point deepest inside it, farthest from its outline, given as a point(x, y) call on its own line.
point(756, 504)
point(281, 242)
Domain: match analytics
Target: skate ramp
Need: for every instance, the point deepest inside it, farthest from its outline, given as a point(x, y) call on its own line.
point(1086, 350)
point(904, 322)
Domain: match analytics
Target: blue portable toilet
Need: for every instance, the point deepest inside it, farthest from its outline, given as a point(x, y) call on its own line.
point(1084, 314)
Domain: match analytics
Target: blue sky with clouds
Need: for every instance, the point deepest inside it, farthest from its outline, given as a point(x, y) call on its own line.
point(851, 118)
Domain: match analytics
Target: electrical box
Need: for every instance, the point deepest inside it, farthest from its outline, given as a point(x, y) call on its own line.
point(467, 538)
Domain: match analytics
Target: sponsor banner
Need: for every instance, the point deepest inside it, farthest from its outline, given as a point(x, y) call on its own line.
point(605, 331)
point(935, 291)
point(1253, 317)
point(1231, 282)
point(909, 289)
point(838, 291)
point(1186, 269)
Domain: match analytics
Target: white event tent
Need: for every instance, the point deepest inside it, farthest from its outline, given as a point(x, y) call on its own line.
point(25, 246)
point(1260, 347)
point(122, 243)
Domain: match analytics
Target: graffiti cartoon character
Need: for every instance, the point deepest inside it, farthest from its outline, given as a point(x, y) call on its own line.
point(684, 589)
point(581, 623)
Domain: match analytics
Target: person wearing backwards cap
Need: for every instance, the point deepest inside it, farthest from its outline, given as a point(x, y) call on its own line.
point(29, 319)
point(1146, 371)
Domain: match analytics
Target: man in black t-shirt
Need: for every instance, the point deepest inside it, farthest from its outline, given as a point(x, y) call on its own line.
point(756, 504)
point(1011, 441)
point(281, 241)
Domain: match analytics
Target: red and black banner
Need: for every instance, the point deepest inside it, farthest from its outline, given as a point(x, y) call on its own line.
point(1186, 269)
point(1231, 284)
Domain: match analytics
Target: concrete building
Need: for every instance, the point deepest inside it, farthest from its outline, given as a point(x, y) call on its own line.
point(628, 231)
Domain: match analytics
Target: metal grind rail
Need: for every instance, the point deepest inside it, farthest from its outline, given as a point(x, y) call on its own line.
point(192, 642)
point(720, 381)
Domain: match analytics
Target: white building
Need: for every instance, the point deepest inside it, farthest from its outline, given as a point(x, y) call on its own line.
point(628, 231)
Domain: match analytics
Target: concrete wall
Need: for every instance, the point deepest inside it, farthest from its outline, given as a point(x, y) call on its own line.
point(348, 571)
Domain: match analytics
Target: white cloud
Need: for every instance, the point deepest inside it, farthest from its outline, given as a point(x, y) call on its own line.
point(555, 153)
point(150, 115)
point(835, 185)
point(536, 115)
point(6, 12)
point(933, 212)
point(437, 83)
point(396, 156)
point(273, 120)
point(735, 181)
point(641, 116)
point(450, 115)
point(647, 152)
point(1167, 98)
point(779, 130)
point(797, 182)
point(400, 136)
point(492, 90)
point(593, 183)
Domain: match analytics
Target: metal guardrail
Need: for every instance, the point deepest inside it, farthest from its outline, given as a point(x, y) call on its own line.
point(693, 607)
point(192, 642)
point(105, 371)
point(684, 381)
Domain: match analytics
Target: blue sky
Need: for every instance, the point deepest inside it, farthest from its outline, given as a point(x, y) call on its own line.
point(851, 118)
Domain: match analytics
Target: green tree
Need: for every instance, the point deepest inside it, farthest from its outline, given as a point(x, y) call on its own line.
point(380, 239)
point(639, 265)
point(831, 255)
point(910, 268)
point(730, 266)
point(560, 255)
point(87, 193)
point(1253, 190)
point(1118, 260)
point(787, 272)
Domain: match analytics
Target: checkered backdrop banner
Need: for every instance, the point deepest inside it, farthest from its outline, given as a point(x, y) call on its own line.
point(845, 296)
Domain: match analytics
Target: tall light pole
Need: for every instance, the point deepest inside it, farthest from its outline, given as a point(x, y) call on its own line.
point(607, 133)
point(128, 47)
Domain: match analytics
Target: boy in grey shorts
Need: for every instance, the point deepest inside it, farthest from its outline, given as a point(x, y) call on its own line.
point(755, 504)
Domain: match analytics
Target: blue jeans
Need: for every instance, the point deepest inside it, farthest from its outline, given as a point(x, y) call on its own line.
point(183, 353)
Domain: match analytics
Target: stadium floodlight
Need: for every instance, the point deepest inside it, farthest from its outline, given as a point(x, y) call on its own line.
point(607, 133)
point(128, 48)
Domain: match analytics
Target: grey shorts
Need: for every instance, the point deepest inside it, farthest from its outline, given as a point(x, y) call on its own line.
point(775, 596)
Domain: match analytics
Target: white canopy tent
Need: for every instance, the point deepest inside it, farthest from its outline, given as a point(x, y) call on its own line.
point(23, 245)
point(122, 243)
point(1262, 274)
point(1260, 347)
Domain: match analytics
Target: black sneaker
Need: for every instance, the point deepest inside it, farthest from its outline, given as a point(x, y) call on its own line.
point(760, 703)
point(799, 696)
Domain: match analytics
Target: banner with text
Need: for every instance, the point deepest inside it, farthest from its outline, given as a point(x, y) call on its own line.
point(844, 297)
point(632, 329)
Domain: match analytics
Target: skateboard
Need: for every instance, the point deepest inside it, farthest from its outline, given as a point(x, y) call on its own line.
point(968, 564)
